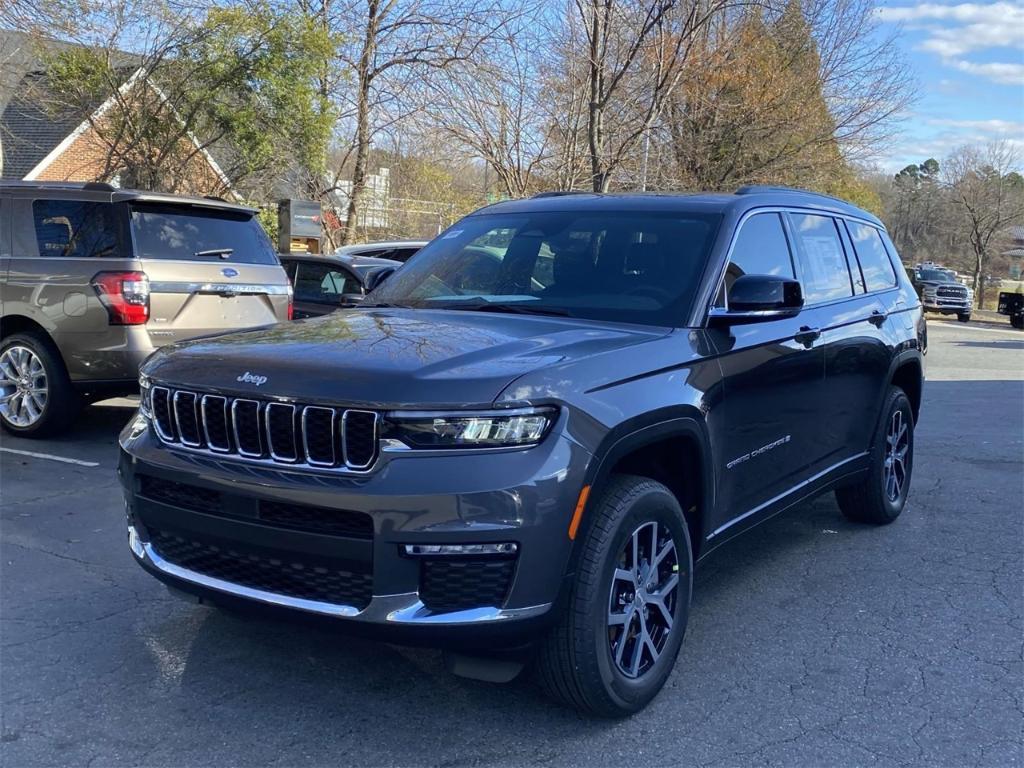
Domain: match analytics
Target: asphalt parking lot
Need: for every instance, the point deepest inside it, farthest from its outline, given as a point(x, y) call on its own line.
point(812, 641)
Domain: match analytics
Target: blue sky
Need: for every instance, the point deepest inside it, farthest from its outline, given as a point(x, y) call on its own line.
point(968, 59)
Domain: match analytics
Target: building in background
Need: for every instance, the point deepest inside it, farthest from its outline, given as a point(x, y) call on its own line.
point(42, 137)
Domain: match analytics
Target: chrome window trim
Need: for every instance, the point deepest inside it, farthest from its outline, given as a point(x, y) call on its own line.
point(206, 432)
point(234, 427)
point(195, 400)
point(786, 209)
point(270, 440)
point(305, 440)
point(344, 440)
point(244, 289)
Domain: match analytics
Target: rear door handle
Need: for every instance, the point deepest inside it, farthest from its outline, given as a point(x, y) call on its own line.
point(877, 318)
point(807, 336)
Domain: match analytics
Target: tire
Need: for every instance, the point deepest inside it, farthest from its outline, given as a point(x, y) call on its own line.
point(881, 495)
point(1017, 321)
point(35, 382)
point(576, 662)
point(964, 317)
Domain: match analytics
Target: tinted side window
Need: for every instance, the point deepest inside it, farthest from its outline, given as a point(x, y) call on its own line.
point(760, 248)
point(74, 229)
point(874, 259)
point(823, 262)
point(321, 283)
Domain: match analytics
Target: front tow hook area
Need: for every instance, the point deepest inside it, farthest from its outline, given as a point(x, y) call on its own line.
point(502, 666)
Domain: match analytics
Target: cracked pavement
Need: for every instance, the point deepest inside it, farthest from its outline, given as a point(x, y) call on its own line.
point(812, 641)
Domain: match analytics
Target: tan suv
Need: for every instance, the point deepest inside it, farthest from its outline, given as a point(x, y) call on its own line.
point(93, 279)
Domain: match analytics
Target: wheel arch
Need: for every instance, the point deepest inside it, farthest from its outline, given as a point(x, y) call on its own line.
point(907, 373)
point(11, 324)
point(670, 446)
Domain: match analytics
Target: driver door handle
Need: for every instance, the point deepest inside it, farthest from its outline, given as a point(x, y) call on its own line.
point(807, 335)
point(877, 318)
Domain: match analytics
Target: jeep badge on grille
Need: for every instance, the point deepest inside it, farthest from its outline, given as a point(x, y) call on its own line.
point(252, 378)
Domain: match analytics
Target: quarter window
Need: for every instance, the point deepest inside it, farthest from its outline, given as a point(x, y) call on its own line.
point(826, 275)
point(874, 259)
point(74, 229)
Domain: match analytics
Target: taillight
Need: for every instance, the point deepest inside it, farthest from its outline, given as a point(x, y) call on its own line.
point(125, 296)
point(291, 303)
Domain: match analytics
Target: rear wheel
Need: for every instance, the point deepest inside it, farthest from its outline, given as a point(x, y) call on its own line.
point(881, 495)
point(36, 396)
point(1017, 321)
point(617, 641)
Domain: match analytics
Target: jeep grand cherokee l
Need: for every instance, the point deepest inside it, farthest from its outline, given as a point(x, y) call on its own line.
point(93, 279)
point(533, 431)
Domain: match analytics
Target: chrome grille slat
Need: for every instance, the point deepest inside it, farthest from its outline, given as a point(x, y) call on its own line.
point(163, 418)
point(187, 419)
point(312, 457)
point(350, 451)
point(247, 412)
point(281, 451)
point(214, 410)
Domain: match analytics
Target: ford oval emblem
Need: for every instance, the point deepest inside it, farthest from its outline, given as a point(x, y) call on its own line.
point(229, 272)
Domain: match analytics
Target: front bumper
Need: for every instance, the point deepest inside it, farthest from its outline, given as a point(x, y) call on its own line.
point(524, 496)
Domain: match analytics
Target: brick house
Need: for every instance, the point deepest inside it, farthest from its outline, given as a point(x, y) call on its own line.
point(43, 138)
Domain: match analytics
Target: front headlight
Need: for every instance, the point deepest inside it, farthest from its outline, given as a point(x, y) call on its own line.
point(145, 396)
point(476, 429)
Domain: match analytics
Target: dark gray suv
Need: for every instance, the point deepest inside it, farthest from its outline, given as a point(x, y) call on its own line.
point(530, 434)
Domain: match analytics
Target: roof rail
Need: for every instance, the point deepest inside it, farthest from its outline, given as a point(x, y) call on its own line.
point(99, 186)
point(753, 189)
point(218, 198)
point(563, 192)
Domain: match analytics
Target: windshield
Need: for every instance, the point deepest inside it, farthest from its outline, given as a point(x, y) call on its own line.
point(627, 267)
point(936, 276)
point(199, 234)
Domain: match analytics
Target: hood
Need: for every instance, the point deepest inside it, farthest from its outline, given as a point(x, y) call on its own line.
point(385, 358)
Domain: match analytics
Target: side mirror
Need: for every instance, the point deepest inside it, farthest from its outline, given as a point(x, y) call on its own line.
point(377, 277)
point(350, 299)
point(758, 298)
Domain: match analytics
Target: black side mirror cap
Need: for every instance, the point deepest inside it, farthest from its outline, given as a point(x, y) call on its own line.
point(759, 298)
point(377, 277)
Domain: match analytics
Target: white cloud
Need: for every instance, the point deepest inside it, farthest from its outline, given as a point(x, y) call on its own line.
point(953, 31)
point(999, 72)
point(994, 127)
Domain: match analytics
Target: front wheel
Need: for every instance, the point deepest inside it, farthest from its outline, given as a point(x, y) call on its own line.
point(617, 641)
point(964, 317)
point(880, 496)
point(1017, 321)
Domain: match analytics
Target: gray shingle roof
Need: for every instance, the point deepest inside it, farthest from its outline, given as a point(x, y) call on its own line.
point(34, 123)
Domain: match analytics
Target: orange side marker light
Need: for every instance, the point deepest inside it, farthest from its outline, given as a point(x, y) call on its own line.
point(574, 524)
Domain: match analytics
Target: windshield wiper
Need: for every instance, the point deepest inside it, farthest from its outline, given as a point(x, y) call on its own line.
point(224, 253)
point(384, 305)
point(511, 309)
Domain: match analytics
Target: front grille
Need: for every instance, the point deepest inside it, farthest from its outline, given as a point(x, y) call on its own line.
point(281, 432)
point(179, 494)
point(283, 573)
point(456, 585)
point(956, 291)
point(340, 522)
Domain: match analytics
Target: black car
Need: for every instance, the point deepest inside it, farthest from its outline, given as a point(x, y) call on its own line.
point(322, 284)
point(536, 464)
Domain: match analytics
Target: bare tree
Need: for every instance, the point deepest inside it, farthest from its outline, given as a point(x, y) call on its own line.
point(496, 108)
point(395, 41)
point(988, 190)
point(635, 51)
